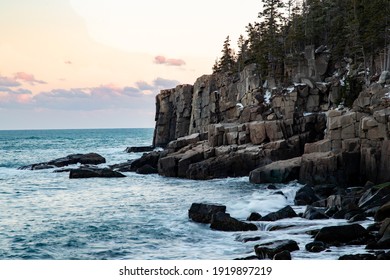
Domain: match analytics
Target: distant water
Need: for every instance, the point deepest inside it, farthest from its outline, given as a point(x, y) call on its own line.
point(45, 215)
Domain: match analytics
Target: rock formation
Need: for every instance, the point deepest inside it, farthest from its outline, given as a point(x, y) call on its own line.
point(228, 125)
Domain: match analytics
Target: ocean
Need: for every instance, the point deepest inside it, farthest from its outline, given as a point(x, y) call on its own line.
point(45, 215)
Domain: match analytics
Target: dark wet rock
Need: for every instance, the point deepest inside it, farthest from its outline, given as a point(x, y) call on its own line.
point(279, 193)
point(315, 247)
point(305, 196)
point(341, 234)
point(383, 256)
point(254, 216)
point(357, 218)
point(223, 221)
point(285, 255)
point(37, 166)
point(251, 239)
point(272, 187)
point(383, 212)
point(91, 172)
point(330, 211)
point(147, 169)
point(312, 213)
point(278, 227)
point(320, 203)
point(286, 212)
point(374, 198)
point(202, 213)
point(269, 250)
point(150, 159)
point(374, 227)
point(384, 237)
point(90, 158)
point(249, 258)
point(140, 149)
point(358, 257)
point(122, 167)
point(339, 214)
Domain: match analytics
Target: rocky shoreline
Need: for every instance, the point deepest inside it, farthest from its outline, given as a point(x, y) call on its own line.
point(238, 125)
point(328, 129)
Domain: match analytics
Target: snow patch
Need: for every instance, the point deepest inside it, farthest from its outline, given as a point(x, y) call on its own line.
point(267, 97)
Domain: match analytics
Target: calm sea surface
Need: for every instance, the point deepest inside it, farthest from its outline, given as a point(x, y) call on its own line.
point(45, 215)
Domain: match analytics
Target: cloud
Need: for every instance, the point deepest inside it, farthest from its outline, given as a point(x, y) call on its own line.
point(8, 82)
point(15, 91)
point(29, 78)
point(103, 97)
point(169, 61)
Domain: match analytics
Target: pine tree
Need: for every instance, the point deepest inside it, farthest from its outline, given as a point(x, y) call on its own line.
point(270, 27)
point(227, 61)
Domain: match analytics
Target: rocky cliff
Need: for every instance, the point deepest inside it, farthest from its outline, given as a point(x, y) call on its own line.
point(229, 125)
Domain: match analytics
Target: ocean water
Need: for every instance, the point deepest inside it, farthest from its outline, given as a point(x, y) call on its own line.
point(45, 215)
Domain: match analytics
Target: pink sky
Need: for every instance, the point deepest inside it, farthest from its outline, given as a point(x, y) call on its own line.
point(100, 63)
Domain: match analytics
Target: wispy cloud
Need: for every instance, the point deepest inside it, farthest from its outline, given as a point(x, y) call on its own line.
point(108, 96)
point(169, 61)
point(15, 91)
point(29, 78)
point(8, 82)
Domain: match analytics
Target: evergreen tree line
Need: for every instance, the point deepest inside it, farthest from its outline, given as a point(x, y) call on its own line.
point(357, 29)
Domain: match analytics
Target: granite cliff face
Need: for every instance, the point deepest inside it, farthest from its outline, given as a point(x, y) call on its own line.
point(235, 125)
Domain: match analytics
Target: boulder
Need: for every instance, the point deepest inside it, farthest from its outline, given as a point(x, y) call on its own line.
point(123, 167)
point(305, 196)
point(384, 237)
point(269, 250)
point(284, 213)
point(91, 172)
point(277, 172)
point(312, 213)
point(223, 221)
point(315, 247)
point(147, 169)
point(341, 234)
point(285, 255)
point(319, 168)
point(167, 166)
point(254, 216)
point(202, 213)
point(150, 159)
point(383, 212)
point(374, 198)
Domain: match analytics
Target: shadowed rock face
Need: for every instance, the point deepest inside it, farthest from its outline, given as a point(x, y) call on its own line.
point(341, 146)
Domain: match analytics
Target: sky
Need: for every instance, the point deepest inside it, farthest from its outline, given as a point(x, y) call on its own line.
point(100, 63)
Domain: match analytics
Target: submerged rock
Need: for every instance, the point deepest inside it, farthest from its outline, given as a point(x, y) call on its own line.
point(140, 149)
point(91, 172)
point(90, 158)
